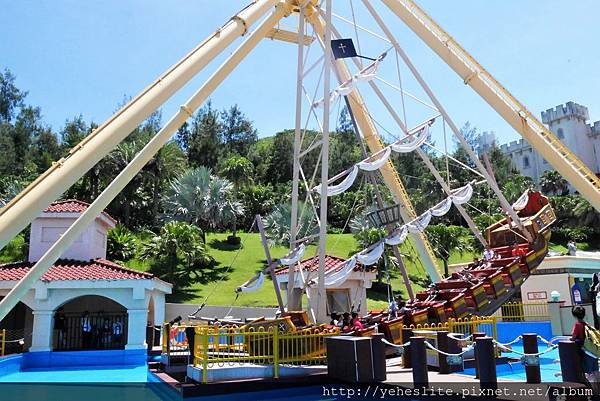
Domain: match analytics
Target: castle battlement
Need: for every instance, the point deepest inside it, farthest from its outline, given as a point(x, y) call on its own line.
point(514, 146)
point(568, 110)
point(595, 128)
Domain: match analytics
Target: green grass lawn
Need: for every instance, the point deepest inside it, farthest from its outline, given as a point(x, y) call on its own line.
point(251, 259)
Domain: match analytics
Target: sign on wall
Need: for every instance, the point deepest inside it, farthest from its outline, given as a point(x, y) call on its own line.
point(537, 295)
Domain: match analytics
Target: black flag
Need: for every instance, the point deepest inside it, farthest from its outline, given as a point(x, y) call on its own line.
point(343, 48)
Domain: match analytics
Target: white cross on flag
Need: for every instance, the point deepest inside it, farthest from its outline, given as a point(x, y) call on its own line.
point(343, 48)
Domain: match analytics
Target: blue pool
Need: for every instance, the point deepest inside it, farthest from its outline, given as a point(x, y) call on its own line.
point(549, 366)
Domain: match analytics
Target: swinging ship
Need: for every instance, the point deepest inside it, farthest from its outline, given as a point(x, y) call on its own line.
point(483, 285)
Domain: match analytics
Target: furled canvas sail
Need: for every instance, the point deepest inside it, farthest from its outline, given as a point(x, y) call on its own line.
point(294, 256)
point(341, 275)
point(256, 284)
point(405, 147)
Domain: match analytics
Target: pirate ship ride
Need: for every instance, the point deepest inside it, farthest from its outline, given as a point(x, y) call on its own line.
point(477, 289)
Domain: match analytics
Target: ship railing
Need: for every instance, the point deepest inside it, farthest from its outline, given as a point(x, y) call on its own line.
point(466, 326)
point(216, 347)
point(523, 312)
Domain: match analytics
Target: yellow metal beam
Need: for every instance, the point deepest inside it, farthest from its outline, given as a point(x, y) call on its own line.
point(16, 215)
point(289, 36)
point(513, 111)
point(388, 171)
point(139, 161)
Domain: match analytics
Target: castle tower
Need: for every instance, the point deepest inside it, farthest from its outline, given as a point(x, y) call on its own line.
point(568, 123)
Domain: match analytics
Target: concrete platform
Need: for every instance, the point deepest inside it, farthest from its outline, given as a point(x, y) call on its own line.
point(251, 371)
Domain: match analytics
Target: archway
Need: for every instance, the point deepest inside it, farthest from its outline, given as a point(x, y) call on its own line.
point(18, 325)
point(90, 322)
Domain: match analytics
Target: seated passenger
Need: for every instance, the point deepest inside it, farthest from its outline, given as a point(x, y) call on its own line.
point(393, 309)
point(335, 319)
point(356, 324)
point(346, 323)
point(517, 251)
point(488, 254)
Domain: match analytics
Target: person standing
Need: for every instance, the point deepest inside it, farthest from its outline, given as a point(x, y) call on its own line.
point(60, 327)
point(86, 330)
point(572, 248)
point(117, 331)
point(589, 363)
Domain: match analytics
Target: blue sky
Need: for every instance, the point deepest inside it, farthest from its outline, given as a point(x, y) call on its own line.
point(82, 57)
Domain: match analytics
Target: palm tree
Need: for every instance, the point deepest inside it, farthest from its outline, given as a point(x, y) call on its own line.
point(177, 253)
point(552, 183)
point(163, 167)
point(239, 171)
point(447, 239)
point(516, 186)
point(199, 198)
point(586, 213)
point(116, 161)
point(278, 224)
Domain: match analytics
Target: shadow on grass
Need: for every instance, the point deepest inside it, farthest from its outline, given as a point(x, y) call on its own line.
point(181, 295)
point(223, 245)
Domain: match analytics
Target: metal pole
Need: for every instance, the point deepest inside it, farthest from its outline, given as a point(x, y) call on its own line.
point(297, 145)
point(380, 204)
point(263, 237)
point(530, 346)
point(322, 296)
point(407, 333)
point(418, 353)
point(486, 362)
point(389, 173)
point(139, 161)
point(18, 213)
point(571, 363)
point(392, 5)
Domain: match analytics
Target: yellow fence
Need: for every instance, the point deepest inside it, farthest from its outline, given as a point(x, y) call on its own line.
point(466, 326)
point(174, 340)
point(523, 311)
point(234, 346)
point(2, 342)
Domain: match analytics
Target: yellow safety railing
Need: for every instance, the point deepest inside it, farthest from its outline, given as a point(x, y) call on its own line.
point(2, 342)
point(217, 346)
point(466, 326)
point(523, 311)
point(174, 339)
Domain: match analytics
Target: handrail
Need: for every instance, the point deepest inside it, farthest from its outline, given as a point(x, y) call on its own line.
point(218, 346)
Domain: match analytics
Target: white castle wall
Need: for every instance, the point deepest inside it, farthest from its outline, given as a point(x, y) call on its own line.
point(569, 123)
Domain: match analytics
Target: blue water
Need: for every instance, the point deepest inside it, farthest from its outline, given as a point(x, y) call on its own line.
point(549, 366)
point(85, 374)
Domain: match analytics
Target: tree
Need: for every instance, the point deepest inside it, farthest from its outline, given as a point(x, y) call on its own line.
point(197, 197)
point(177, 254)
point(278, 223)
point(282, 158)
point(11, 98)
point(73, 132)
point(238, 170)
point(162, 168)
point(120, 244)
point(257, 199)
point(200, 138)
point(552, 183)
point(238, 132)
point(447, 239)
point(586, 214)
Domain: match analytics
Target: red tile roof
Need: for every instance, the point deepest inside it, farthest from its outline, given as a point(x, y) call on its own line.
point(65, 270)
point(332, 263)
point(72, 206)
